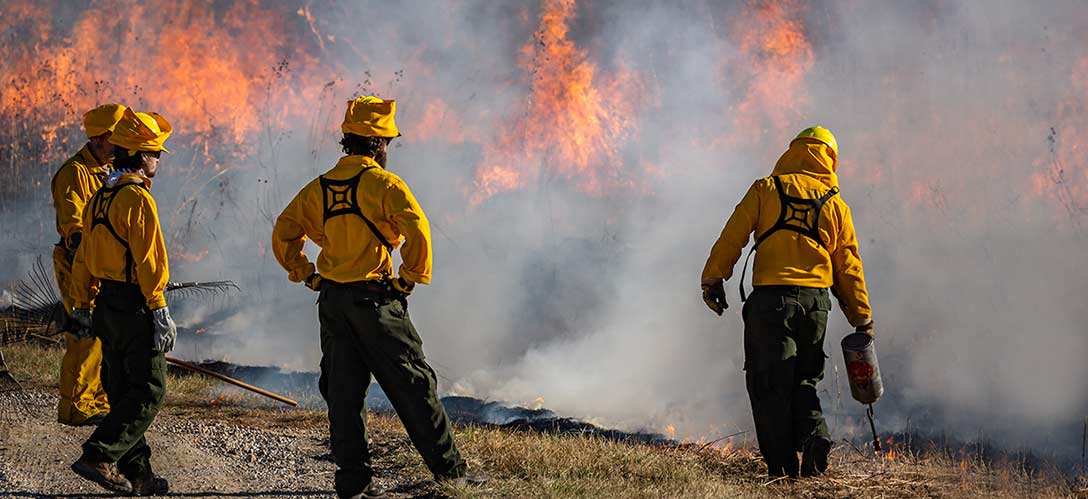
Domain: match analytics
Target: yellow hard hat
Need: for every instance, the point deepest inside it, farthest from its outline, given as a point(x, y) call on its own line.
point(141, 132)
point(370, 116)
point(820, 134)
point(102, 119)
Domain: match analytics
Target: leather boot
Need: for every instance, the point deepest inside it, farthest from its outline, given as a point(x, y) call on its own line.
point(372, 491)
point(469, 478)
point(152, 485)
point(814, 456)
point(104, 474)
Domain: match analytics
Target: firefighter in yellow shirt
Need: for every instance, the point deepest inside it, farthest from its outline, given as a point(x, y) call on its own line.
point(82, 398)
point(804, 245)
point(358, 213)
point(121, 267)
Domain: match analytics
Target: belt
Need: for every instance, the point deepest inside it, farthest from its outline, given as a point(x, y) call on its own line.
point(118, 285)
point(383, 288)
point(123, 291)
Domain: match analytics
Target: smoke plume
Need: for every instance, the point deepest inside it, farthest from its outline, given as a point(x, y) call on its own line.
point(577, 161)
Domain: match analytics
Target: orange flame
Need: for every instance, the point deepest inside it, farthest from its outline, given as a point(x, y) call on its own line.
point(201, 67)
point(1063, 175)
point(573, 121)
point(777, 56)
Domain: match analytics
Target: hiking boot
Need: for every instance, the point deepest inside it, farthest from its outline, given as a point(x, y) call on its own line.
point(153, 485)
point(372, 491)
point(814, 456)
point(469, 478)
point(104, 474)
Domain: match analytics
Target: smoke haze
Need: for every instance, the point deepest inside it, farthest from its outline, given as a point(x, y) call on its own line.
point(577, 162)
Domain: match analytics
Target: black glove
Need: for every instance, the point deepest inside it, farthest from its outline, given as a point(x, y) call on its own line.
point(82, 319)
point(72, 244)
point(315, 281)
point(403, 286)
point(714, 296)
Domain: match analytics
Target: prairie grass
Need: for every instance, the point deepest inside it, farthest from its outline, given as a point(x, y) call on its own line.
point(534, 465)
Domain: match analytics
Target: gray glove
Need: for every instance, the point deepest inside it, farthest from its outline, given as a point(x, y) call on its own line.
point(165, 330)
point(82, 319)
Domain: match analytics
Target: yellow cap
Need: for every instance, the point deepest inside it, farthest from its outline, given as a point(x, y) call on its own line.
point(370, 116)
point(819, 134)
point(141, 132)
point(102, 119)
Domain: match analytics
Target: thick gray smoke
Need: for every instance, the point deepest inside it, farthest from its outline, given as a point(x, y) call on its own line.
point(961, 131)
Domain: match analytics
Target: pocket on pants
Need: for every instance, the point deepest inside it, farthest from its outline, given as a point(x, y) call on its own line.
point(396, 335)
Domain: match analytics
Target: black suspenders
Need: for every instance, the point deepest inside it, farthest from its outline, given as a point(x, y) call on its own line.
point(101, 203)
point(339, 198)
point(798, 215)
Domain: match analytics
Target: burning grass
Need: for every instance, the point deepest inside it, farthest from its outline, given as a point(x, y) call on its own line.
point(534, 465)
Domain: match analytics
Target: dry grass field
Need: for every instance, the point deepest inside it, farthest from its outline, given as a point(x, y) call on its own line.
point(220, 442)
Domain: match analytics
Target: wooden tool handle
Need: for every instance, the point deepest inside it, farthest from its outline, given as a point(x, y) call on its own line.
point(228, 379)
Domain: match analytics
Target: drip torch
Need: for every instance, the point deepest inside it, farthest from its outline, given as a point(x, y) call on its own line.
point(859, 352)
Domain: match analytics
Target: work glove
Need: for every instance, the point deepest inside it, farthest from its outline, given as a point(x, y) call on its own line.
point(315, 281)
point(866, 328)
point(403, 286)
point(71, 244)
point(81, 317)
point(714, 296)
point(165, 330)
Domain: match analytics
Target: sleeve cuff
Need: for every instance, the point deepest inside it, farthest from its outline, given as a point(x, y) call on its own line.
point(862, 322)
point(301, 273)
point(156, 302)
point(415, 276)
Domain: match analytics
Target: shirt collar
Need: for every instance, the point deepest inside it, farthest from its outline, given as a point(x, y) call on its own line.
point(356, 161)
point(91, 162)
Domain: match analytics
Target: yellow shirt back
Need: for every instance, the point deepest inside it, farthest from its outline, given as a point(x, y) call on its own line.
point(350, 251)
point(132, 213)
point(806, 170)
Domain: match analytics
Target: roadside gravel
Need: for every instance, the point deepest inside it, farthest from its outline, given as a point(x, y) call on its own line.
point(204, 453)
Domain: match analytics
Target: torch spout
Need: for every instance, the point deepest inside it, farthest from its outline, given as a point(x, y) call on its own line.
point(872, 426)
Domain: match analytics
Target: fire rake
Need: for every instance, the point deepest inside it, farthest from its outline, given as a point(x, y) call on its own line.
point(228, 379)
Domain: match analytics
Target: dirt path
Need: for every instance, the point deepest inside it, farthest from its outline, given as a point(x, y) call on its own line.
point(218, 456)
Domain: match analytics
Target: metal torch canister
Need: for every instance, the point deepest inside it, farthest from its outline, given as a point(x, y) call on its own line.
point(859, 352)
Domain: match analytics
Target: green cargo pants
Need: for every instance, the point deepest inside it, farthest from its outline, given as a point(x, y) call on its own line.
point(134, 376)
point(783, 361)
point(364, 334)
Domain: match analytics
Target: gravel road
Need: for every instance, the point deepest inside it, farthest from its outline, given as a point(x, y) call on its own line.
point(203, 455)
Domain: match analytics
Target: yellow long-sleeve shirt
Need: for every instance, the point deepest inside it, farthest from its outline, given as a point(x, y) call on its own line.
point(73, 184)
point(134, 216)
point(350, 251)
point(806, 170)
